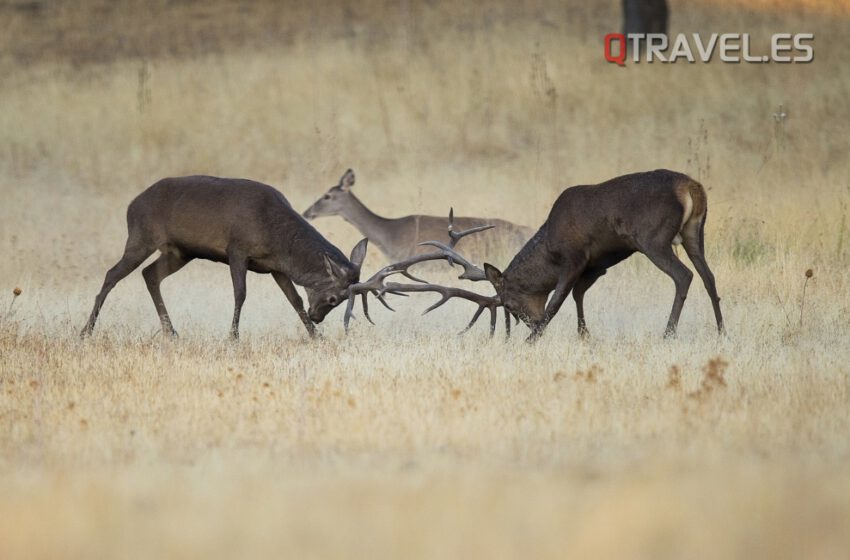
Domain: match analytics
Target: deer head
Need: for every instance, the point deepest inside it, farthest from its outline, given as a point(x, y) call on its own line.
point(333, 202)
point(529, 308)
point(332, 289)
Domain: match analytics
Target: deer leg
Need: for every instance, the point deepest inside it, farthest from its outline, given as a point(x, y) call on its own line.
point(166, 265)
point(133, 257)
point(692, 248)
point(295, 300)
point(562, 290)
point(664, 259)
point(238, 274)
point(581, 286)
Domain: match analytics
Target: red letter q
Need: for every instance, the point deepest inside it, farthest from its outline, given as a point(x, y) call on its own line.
point(620, 57)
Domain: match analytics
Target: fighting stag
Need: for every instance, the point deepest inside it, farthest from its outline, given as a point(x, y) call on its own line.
point(244, 224)
point(593, 227)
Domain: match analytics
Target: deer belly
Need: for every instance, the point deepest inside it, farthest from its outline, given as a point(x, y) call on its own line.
point(203, 252)
point(608, 259)
point(208, 243)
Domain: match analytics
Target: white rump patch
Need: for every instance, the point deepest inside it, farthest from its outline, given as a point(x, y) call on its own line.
point(686, 215)
point(689, 208)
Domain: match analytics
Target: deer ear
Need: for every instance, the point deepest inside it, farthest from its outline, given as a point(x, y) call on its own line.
point(347, 180)
point(333, 269)
point(493, 275)
point(358, 254)
point(329, 266)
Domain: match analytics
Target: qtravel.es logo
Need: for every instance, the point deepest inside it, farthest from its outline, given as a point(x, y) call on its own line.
point(730, 47)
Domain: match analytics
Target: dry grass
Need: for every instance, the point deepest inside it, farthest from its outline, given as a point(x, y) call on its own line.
point(401, 440)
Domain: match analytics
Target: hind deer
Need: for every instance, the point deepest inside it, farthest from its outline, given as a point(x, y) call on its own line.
point(400, 238)
point(589, 229)
point(244, 224)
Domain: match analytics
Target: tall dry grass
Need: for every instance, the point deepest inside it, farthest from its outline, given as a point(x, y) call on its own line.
point(402, 440)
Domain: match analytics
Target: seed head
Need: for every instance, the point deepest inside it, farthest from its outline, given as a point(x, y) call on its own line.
point(809, 273)
point(17, 292)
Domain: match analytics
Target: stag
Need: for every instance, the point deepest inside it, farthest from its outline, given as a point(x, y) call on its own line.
point(589, 229)
point(593, 227)
point(400, 238)
point(244, 224)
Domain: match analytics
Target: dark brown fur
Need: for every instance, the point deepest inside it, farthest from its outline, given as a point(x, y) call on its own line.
point(593, 227)
point(245, 224)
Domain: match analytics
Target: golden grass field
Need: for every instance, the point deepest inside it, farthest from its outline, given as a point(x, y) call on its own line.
point(402, 440)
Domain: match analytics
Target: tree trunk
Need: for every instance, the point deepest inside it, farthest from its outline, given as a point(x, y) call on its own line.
point(645, 16)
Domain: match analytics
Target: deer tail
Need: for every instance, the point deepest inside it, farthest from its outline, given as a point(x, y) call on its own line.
point(700, 210)
point(699, 199)
point(691, 196)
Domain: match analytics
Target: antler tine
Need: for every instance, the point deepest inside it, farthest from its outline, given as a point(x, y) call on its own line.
point(384, 301)
point(366, 307)
point(402, 294)
point(475, 317)
point(407, 274)
point(456, 236)
point(349, 309)
point(470, 271)
point(493, 316)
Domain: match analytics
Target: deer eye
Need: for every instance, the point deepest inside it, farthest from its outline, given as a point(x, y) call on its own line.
point(326, 197)
point(332, 300)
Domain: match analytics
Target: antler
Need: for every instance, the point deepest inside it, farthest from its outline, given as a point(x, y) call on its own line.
point(446, 293)
point(376, 285)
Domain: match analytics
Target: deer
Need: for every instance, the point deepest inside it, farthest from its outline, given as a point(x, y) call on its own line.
point(247, 225)
point(400, 238)
point(590, 228)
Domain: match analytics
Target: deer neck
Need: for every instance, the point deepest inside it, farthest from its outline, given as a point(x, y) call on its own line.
point(301, 249)
point(532, 271)
point(374, 227)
